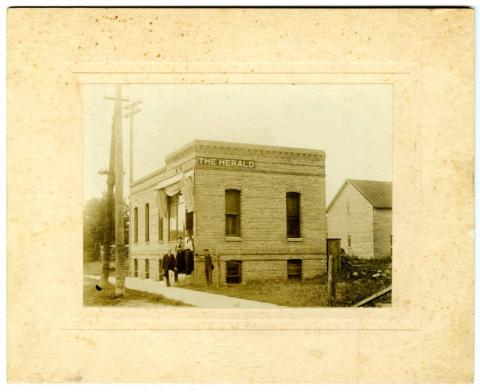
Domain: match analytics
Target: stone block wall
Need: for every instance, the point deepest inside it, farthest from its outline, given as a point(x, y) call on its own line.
point(263, 246)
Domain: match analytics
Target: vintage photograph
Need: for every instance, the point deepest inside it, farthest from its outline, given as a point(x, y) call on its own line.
point(237, 195)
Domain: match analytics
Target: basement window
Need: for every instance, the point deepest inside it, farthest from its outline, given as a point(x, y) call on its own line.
point(294, 269)
point(234, 271)
point(135, 268)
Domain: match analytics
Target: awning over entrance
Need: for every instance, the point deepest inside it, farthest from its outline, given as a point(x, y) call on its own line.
point(171, 186)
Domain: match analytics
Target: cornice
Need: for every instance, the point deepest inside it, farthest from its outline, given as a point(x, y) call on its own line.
point(199, 147)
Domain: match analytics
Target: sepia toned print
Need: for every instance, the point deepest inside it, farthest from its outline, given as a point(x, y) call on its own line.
point(386, 94)
point(222, 223)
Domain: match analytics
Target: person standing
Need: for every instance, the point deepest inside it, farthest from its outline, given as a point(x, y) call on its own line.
point(208, 267)
point(168, 264)
point(180, 259)
point(188, 253)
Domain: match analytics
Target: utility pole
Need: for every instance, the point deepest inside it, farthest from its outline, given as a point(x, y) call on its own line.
point(131, 112)
point(107, 234)
point(119, 229)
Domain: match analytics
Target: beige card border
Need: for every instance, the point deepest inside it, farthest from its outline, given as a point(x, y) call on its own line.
point(403, 315)
point(428, 55)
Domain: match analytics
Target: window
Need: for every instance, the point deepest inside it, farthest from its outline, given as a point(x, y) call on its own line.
point(293, 215)
point(232, 213)
point(160, 227)
point(147, 269)
point(173, 218)
point(135, 268)
point(135, 225)
point(176, 217)
point(349, 240)
point(147, 222)
point(294, 269)
point(234, 271)
point(181, 212)
point(348, 207)
point(189, 221)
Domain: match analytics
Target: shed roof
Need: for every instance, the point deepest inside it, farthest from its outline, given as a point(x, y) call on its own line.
point(377, 193)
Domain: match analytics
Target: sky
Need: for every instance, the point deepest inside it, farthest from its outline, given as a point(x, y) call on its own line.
point(352, 123)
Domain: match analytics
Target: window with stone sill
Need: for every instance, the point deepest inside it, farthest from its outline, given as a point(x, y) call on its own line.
point(293, 215)
point(147, 222)
point(232, 213)
point(135, 225)
point(147, 269)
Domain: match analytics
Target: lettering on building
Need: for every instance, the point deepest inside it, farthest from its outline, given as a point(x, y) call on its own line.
point(225, 162)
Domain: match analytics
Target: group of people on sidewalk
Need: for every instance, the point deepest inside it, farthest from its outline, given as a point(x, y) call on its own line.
point(182, 261)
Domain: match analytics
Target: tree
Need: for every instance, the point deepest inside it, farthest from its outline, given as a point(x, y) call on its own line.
point(94, 228)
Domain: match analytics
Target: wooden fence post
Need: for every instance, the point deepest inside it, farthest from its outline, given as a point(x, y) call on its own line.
point(218, 269)
point(333, 265)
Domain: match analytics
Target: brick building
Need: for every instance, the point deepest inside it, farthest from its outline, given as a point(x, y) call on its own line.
point(360, 215)
point(260, 210)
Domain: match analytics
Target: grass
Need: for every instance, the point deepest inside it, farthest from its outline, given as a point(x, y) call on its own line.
point(351, 288)
point(134, 298)
point(92, 268)
point(353, 285)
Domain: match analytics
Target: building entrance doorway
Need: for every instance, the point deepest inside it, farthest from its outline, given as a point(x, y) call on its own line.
point(189, 222)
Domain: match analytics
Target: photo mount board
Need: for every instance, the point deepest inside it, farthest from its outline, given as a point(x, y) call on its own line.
point(427, 334)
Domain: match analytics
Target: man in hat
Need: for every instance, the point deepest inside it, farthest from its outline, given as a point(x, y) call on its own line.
point(169, 263)
point(208, 266)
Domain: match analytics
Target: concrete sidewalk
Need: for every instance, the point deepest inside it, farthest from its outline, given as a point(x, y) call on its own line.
point(191, 297)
